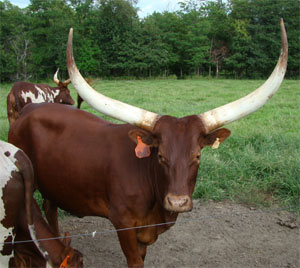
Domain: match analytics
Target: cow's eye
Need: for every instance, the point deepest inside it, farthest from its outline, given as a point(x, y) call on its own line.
point(196, 159)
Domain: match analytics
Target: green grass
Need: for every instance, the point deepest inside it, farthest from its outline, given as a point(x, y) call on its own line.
point(260, 162)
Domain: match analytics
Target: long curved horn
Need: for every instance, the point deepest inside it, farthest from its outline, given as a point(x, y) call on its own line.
point(119, 110)
point(55, 79)
point(235, 110)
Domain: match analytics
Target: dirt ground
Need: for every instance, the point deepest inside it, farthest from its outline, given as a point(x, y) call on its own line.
point(213, 235)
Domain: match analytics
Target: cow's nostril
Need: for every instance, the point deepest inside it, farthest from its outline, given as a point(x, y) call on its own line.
point(184, 202)
point(178, 203)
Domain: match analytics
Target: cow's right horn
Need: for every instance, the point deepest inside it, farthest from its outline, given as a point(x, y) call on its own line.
point(119, 110)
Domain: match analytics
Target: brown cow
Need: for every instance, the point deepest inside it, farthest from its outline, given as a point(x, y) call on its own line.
point(21, 219)
point(134, 174)
point(23, 93)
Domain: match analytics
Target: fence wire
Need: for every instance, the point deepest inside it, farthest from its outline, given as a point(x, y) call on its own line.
point(180, 221)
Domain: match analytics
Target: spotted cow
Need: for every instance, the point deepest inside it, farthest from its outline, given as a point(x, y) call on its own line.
point(21, 218)
point(23, 93)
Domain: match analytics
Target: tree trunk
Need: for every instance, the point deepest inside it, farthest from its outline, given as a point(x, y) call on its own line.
point(210, 54)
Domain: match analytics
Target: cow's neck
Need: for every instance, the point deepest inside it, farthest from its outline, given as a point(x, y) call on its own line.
point(53, 247)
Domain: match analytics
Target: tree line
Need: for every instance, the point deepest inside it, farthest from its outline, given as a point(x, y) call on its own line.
point(233, 38)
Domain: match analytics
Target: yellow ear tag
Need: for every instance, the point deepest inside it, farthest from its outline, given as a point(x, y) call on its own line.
point(216, 144)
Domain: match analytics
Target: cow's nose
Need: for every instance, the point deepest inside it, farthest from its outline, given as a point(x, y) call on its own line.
point(178, 203)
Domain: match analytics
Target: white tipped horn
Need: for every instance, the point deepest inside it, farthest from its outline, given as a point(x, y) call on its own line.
point(55, 77)
point(235, 110)
point(119, 110)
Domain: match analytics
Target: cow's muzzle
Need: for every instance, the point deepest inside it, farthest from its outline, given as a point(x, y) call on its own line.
point(178, 203)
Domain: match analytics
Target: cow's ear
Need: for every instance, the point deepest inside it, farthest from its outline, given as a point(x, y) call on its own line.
point(214, 139)
point(144, 140)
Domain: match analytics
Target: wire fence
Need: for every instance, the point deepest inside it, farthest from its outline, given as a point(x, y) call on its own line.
point(180, 221)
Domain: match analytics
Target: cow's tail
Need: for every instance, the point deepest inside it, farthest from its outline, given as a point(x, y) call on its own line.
point(18, 105)
point(28, 177)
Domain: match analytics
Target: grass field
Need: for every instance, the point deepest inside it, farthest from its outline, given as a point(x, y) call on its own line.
point(260, 162)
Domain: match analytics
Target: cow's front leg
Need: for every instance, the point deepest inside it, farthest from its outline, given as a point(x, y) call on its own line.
point(128, 238)
point(142, 250)
point(130, 247)
point(51, 216)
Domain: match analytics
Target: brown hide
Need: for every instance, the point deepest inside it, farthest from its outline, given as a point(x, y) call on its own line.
point(88, 166)
point(23, 93)
point(20, 210)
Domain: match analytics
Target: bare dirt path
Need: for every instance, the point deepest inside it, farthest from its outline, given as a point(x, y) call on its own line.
point(213, 235)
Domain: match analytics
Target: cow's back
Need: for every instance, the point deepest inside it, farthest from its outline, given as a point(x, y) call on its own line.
point(23, 93)
point(87, 146)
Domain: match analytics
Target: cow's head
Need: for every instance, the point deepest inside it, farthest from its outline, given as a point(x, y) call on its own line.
point(70, 257)
point(64, 95)
point(178, 141)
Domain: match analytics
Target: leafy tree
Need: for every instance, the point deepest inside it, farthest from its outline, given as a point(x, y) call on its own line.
point(156, 53)
point(197, 41)
point(89, 56)
point(49, 26)
point(217, 16)
point(14, 43)
point(114, 33)
point(172, 32)
point(237, 38)
point(238, 61)
point(264, 33)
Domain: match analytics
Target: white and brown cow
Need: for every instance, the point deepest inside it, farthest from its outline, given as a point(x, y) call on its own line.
point(21, 218)
point(23, 93)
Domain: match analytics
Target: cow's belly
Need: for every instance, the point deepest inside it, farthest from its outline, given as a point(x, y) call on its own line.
point(79, 201)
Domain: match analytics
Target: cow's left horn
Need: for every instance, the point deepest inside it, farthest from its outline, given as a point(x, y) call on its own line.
point(55, 77)
point(119, 110)
point(230, 112)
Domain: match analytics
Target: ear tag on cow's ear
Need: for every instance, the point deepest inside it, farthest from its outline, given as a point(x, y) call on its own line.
point(141, 150)
point(64, 264)
point(216, 144)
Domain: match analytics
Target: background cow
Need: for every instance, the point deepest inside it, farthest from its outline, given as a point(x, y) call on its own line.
point(23, 93)
point(79, 99)
point(21, 219)
point(135, 174)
